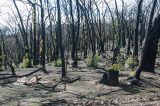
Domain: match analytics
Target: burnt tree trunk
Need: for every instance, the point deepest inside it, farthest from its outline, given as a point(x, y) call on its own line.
point(35, 36)
point(116, 50)
point(72, 32)
point(60, 39)
point(135, 52)
point(150, 48)
point(22, 29)
point(42, 36)
point(0, 56)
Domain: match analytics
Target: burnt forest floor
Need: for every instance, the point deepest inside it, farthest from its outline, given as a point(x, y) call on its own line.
point(84, 92)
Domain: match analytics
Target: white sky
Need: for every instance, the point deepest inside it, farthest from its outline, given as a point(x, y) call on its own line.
point(7, 8)
point(4, 10)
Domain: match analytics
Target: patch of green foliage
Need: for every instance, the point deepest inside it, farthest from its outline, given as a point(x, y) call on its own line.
point(132, 73)
point(1, 69)
point(131, 62)
point(57, 63)
point(14, 65)
point(92, 61)
point(117, 67)
point(79, 58)
point(26, 63)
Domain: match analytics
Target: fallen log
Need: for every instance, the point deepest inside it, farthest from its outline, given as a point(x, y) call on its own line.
point(71, 79)
point(20, 76)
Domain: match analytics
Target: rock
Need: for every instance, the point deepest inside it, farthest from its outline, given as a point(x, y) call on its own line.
point(133, 81)
point(22, 80)
point(101, 102)
point(130, 78)
point(71, 79)
point(33, 80)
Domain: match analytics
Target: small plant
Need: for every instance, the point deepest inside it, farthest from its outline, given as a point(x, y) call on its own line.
point(26, 63)
point(131, 62)
point(132, 73)
point(122, 50)
point(1, 69)
point(116, 67)
point(57, 63)
point(92, 61)
point(78, 57)
point(14, 65)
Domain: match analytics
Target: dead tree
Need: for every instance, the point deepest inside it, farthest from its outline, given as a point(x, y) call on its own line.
point(42, 35)
point(117, 48)
point(135, 53)
point(35, 36)
point(113, 24)
point(151, 43)
point(75, 35)
point(60, 40)
point(0, 56)
point(22, 29)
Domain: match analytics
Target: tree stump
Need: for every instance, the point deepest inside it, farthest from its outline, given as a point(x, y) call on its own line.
point(113, 77)
point(110, 78)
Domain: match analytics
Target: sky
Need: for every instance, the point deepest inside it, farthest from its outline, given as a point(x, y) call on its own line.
point(7, 8)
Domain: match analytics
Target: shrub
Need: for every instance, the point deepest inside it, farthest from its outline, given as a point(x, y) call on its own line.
point(14, 65)
point(79, 58)
point(132, 73)
point(58, 63)
point(1, 69)
point(26, 63)
point(131, 62)
point(93, 61)
point(117, 67)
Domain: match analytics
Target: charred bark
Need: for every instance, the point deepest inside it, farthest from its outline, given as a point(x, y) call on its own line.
point(151, 44)
point(60, 39)
point(135, 52)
